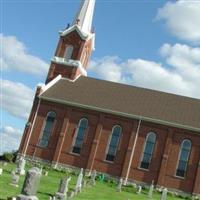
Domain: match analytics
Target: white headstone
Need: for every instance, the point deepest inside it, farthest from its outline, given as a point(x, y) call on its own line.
point(20, 166)
point(151, 188)
point(139, 189)
point(1, 171)
point(79, 182)
point(15, 180)
point(164, 194)
point(119, 186)
point(93, 177)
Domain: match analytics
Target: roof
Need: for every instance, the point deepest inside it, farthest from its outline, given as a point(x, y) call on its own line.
point(126, 100)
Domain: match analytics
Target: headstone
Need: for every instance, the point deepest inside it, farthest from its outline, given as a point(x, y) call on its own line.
point(20, 166)
point(139, 189)
point(31, 184)
point(46, 173)
point(164, 194)
point(70, 194)
point(151, 188)
point(15, 180)
point(1, 171)
point(5, 163)
point(93, 177)
point(79, 182)
point(63, 189)
point(119, 186)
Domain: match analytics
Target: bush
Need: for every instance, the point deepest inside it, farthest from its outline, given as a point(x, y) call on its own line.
point(8, 157)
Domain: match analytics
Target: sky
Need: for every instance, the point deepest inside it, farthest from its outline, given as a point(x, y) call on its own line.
point(147, 43)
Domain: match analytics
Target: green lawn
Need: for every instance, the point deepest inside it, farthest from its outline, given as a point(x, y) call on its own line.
point(49, 185)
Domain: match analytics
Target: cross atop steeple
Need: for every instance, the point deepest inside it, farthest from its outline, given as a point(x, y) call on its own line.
point(85, 15)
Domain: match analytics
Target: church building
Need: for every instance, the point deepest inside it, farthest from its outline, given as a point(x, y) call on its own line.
point(123, 131)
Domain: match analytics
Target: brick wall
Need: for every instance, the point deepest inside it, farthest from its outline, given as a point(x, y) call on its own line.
point(164, 161)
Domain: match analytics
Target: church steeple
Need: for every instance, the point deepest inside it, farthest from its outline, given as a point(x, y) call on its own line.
point(85, 15)
point(75, 45)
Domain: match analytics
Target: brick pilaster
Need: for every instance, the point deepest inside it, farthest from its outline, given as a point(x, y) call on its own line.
point(30, 123)
point(95, 143)
point(196, 187)
point(61, 138)
point(168, 145)
point(129, 151)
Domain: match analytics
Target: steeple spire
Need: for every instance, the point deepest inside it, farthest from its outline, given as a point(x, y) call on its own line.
point(85, 15)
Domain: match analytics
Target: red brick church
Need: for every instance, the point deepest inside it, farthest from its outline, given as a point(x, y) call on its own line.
point(122, 131)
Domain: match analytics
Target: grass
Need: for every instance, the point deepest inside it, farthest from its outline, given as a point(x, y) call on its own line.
point(49, 185)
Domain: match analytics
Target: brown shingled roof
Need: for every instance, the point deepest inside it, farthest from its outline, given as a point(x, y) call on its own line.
point(128, 101)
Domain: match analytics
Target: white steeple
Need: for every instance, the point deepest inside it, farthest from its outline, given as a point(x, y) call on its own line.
point(84, 16)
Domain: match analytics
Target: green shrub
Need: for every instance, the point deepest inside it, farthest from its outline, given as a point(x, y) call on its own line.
point(8, 157)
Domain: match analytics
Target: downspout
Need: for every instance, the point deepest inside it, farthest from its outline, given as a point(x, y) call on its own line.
point(29, 137)
point(132, 152)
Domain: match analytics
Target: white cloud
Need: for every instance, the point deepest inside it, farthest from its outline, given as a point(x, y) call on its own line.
point(10, 139)
point(181, 76)
point(16, 57)
point(182, 19)
point(16, 98)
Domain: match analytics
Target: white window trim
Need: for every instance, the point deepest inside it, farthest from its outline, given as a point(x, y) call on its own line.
point(109, 140)
point(144, 146)
point(179, 155)
point(43, 127)
point(75, 135)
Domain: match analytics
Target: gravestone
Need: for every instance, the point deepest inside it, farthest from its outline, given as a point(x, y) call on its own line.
point(1, 171)
point(45, 173)
point(70, 194)
point(30, 185)
point(15, 180)
point(164, 194)
point(63, 189)
point(20, 166)
point(119, 186)
point(151, 188)
point(139, 189)
point(79, 182)
point(93, 177)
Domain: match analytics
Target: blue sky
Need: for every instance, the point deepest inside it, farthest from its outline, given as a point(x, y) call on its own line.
point(149, 44)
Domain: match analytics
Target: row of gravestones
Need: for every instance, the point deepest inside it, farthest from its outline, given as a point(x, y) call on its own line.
point(163, 191)
point(139, 190)
point(32, 180)
point(63, 192)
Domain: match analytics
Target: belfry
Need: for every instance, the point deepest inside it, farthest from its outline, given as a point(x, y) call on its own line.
point(123, 131)
point(75, 45)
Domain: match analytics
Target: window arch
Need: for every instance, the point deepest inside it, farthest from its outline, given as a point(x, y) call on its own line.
point(148, 150)
point(68, 52)
point(183, 158)
point(114, 142)
point(79, 136)
point(47, 130)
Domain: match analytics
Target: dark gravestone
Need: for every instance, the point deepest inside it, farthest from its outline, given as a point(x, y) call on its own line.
point(31, 184)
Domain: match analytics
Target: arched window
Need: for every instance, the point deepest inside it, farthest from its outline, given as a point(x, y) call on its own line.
point(114, 141)
point(148, 150)
point(79, 136)
point(68, 52)
point(48, 127)
point(183, 158)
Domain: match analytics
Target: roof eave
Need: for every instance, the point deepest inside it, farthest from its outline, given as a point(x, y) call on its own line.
point(147, 119)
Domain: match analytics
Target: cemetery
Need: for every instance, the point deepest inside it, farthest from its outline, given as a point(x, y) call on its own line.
point(46, 183)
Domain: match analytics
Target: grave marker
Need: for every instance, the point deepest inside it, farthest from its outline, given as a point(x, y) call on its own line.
point(63, 188)
point(30, 185)
point(79, 182)
point(164, 194)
